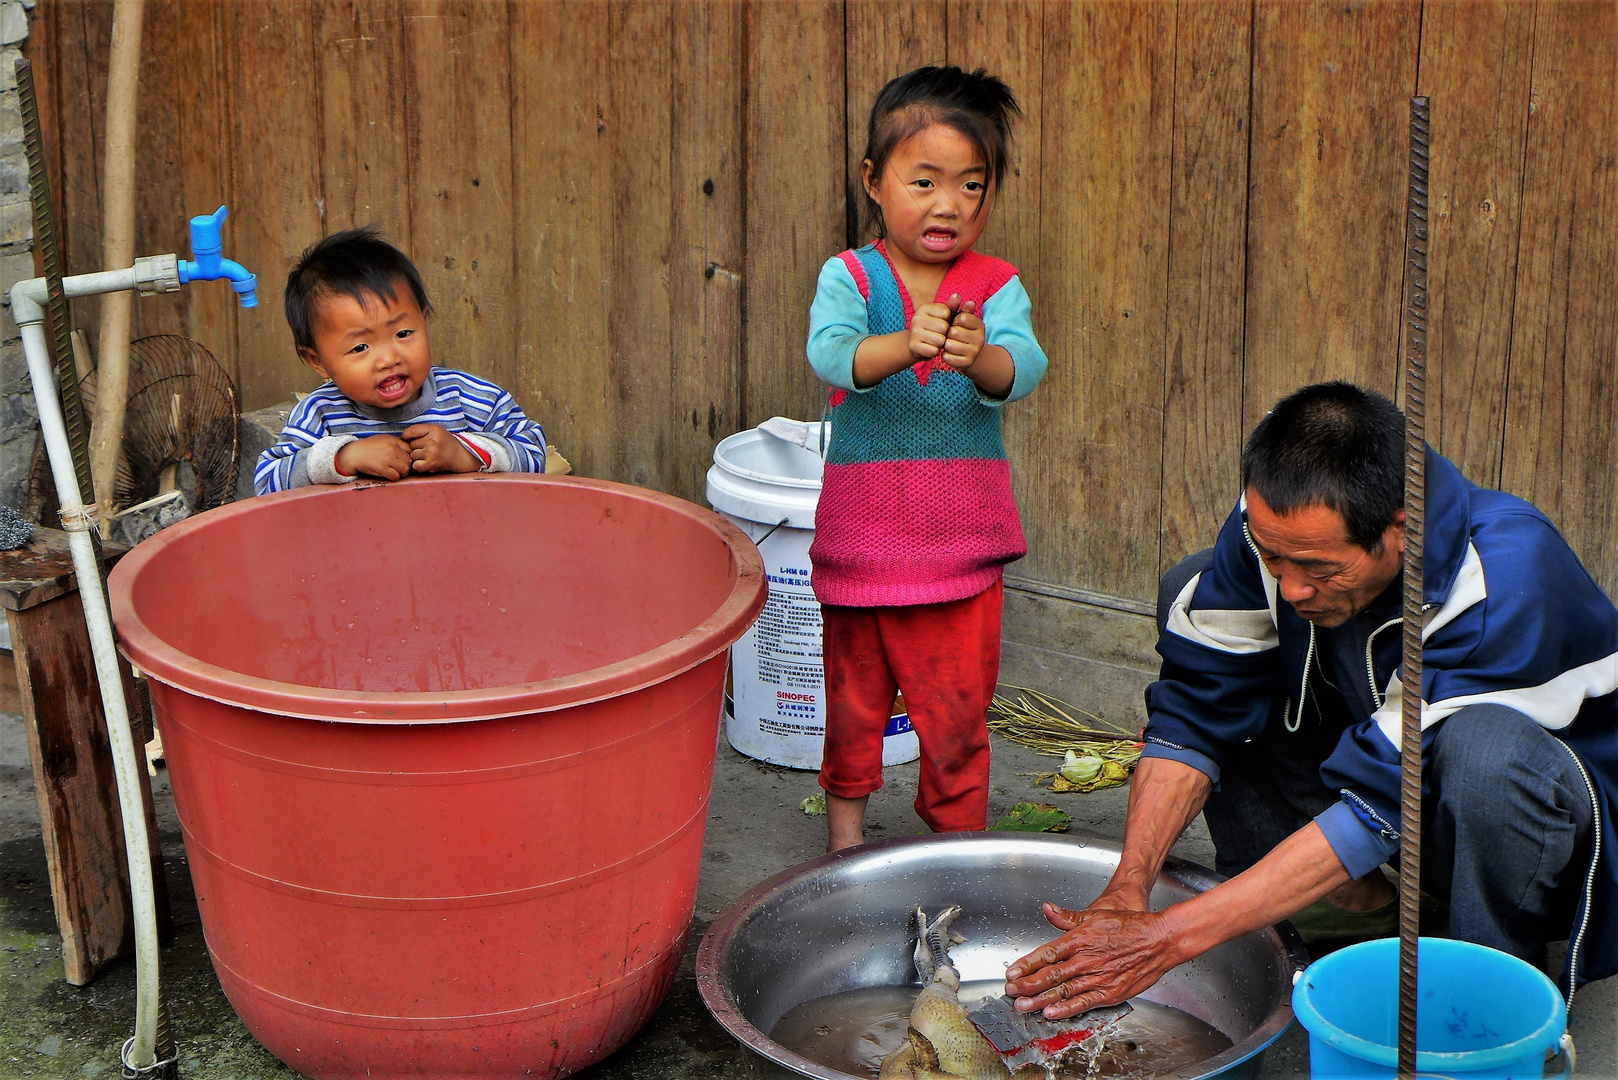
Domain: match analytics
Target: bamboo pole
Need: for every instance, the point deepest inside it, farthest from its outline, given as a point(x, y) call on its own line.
point(117, 248)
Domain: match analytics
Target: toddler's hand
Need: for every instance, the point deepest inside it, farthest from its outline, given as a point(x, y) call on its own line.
point(383, 456)
point(929, 329)
point(965, 338)
point(434, 450)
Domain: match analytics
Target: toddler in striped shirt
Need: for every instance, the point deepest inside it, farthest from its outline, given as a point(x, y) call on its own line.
point(358, 314)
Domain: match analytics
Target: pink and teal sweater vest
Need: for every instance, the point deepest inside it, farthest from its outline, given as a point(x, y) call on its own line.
point(916, 504)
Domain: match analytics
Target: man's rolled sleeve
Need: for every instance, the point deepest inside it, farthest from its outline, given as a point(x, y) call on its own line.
point(1360, 847)
point(1160, 748)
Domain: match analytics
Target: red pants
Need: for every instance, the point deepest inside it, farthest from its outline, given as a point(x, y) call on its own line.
point(946, 659)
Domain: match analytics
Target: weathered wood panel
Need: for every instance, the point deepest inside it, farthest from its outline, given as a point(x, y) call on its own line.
point(709, 246)
point(1474, 67)
point(1089, 487)
point(205, 176)
point(563, 227)
point(1563, 407)
point(84, 33)
point(161, 224)
point(274, 135)
point(458, 138)
point(639, 129)
point(1325, 242)
point(365, 172)
point(1202, 390)
point(796, 199)
point(1207, 209)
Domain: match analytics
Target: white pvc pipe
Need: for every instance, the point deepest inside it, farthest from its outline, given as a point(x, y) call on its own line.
point(139, 1052)
point(32, 293)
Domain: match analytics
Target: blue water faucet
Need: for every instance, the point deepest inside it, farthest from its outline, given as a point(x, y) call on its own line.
point(208, 266)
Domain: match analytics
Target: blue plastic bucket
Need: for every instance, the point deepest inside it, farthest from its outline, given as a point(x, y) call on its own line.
point(1480, 1013)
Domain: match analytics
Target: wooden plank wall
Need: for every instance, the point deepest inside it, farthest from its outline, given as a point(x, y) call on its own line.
point(620, 209)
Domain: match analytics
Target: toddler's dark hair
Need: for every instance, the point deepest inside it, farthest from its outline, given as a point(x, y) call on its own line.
point(356, 263)
point(978, 105)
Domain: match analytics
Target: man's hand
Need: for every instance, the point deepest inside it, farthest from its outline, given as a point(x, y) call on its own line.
point(1118, 896)
point(386, 457)
point(966, 335)
point(929, 330)
point(1103, 958)
point(434, 450)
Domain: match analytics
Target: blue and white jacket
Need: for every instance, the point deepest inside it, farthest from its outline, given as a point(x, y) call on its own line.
point(486, 419)
point(1512, 618)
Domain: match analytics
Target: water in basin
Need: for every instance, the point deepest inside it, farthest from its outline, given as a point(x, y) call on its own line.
point(853, 1031)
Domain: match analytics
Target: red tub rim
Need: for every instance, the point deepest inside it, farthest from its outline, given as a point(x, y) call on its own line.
point(158, 659)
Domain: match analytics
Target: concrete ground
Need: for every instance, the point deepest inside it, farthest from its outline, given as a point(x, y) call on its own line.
point(49, 1029)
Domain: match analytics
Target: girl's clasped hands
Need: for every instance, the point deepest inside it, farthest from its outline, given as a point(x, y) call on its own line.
point(952, 331)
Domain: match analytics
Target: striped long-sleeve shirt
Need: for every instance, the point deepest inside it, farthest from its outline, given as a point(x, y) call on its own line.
point(484, 417)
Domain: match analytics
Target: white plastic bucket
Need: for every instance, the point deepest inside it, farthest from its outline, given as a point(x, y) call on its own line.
point(776, 710)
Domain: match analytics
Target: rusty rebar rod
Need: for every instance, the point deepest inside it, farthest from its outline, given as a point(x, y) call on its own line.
point(1416, 239)
point(57, 315)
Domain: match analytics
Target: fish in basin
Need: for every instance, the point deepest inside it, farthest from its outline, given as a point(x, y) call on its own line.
point(942, 1044)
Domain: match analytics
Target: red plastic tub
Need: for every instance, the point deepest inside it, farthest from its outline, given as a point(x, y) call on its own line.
point(442, 753)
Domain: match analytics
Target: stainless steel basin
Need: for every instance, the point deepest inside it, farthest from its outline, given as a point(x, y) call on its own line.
point(839, 923)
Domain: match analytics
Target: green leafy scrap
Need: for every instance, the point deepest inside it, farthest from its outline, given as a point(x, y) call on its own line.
point(1034, 817)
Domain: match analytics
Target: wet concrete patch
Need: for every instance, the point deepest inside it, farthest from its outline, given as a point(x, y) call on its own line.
point(89, 1024)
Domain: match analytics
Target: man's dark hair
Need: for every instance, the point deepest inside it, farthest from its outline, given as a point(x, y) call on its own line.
point(1333, 445)
point(978, 105)
point(356, 263)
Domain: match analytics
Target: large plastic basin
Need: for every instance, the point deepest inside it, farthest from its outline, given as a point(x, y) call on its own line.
point(442, 753)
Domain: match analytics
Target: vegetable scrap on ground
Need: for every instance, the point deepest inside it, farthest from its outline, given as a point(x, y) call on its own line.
point(1096, 752)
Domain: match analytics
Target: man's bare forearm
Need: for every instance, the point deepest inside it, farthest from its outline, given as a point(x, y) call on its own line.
point(1164, 797)
point(1300, 870)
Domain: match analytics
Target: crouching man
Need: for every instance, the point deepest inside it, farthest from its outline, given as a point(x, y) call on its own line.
point(1277, 716)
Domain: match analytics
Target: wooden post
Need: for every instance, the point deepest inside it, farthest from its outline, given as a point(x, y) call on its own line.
point(60, 702)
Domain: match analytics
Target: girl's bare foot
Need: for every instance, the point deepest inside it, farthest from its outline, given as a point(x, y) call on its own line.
point(845, 821)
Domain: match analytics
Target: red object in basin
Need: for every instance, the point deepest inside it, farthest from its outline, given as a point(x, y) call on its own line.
point(442, 751)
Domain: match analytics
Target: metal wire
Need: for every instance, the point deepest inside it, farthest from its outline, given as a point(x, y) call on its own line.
point(50, 257)
point(1416, 239)
point(770, 532)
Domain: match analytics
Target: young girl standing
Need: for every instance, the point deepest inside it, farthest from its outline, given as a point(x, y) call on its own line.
point(922, 340)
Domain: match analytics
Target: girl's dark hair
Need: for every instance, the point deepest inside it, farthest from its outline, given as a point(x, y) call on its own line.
point(356, 263)
point(978, 105)
point(1333, 445)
